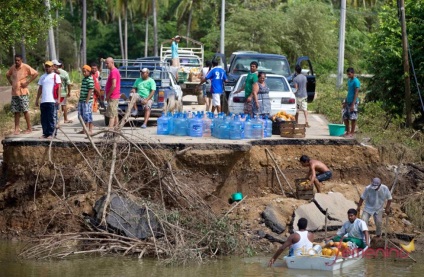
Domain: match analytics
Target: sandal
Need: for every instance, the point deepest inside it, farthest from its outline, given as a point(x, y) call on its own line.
point(81, 132)
point(68, 121)
point(307, 125)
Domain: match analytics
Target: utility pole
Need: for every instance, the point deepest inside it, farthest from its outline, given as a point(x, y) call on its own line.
point(341, 44)
point(52, 48)
point(408, 106)
point(222, 42)
point(84, 33)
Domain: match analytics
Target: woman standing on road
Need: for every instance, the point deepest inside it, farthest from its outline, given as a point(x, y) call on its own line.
point(263, 103)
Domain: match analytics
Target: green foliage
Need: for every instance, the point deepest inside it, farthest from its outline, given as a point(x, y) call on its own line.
point(381, 128)
point(385, 58)
point(23, 21)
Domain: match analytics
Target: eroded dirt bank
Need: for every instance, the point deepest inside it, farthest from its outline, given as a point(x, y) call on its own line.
point(37, 198)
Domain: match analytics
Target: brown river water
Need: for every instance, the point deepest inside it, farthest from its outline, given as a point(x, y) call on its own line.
point(11, 266)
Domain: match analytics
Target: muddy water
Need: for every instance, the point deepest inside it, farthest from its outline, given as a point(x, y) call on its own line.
point(10, 266)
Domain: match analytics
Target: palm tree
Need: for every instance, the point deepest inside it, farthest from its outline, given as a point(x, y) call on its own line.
point(145, 8)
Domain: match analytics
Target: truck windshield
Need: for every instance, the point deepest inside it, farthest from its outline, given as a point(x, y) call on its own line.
point(268, 65)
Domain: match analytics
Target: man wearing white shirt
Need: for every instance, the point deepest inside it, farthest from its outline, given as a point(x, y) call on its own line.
point(48, 105)
point(354, 230)
point(375, 195)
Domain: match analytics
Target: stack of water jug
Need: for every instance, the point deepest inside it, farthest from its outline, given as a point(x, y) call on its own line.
point(203, 124)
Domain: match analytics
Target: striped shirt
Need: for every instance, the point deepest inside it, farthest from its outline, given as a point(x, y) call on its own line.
point(86, 85)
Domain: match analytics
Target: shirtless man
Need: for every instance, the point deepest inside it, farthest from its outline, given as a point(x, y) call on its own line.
point(318, 171)
point(300, 242)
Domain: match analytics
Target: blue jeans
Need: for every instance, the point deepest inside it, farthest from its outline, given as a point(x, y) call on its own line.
point(48, 118)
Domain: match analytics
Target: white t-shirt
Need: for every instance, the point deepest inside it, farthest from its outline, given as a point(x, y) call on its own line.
point(47, 82)
point(354, 230)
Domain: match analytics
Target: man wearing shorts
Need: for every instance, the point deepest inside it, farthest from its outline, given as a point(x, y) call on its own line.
point(318, 171)
point(301, 95)
point(251, 85)
point(143, 90)
point(217, 76)
point(112, 90)
point(350, 105)
point(20, 76)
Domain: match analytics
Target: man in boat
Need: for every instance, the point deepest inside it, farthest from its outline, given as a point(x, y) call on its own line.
point(356, 230)
point(375, 195)
point(299, 242)
point(318, 171)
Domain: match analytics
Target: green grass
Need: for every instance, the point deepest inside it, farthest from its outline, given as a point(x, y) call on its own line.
point(383, 130)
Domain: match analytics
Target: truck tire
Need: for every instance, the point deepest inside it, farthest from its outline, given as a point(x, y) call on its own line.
point(200, 99)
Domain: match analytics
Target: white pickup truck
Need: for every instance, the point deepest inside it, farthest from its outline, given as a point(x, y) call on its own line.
point(191, 64)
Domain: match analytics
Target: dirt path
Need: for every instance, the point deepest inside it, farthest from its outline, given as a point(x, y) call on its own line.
point(5, 95)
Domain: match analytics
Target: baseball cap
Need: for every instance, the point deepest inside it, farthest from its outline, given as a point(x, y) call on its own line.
point(144, 70)
point(376, 182)
point(49, 63)
point(56, 62)
point(177, 37)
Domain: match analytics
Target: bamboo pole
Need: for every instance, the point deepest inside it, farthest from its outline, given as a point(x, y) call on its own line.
point(279, 169)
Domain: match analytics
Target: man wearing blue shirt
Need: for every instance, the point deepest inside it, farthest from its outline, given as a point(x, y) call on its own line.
point(217, 76)
point(174, 51)
point(350, 105)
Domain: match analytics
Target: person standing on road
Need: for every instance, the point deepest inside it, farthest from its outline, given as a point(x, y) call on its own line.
point(300, 82)
point(264, 102)
point(375, 195)
point(85, 103)
point(66, 88)
point(300, 242)
point(174, 51)
point(250, 88)
point(217, 76)
point(48, 105)
point(96, 78)
point(350, 105)
point(112, 90)
point(206, 87)
point(20, 75)
point(318, 171)
point(143, 90)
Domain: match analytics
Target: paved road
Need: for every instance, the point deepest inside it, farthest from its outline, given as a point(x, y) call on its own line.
point(318, 129)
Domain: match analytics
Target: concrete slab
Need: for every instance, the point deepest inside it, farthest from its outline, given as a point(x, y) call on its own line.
point(316, 219)
point(336, 204)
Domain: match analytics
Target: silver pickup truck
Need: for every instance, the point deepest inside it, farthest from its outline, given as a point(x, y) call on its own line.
point(168, 96)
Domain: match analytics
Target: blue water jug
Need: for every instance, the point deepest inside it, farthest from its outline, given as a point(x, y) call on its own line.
point(267, 126)
point(207, 125)
point(163, 125)
point(216, 122)
point(181, 125)
point(235, 128)
point(223, 130)
point(257, 128)
point(196, 126)
point(248, 128)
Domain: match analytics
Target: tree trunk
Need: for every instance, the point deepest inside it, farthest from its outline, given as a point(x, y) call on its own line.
point(23, 50)
point(71, 8)
point(120, 37)
point(52, 48)
point(84, 33)
point(57, 34)
point(155, 28)
point(126, 32)
point(190, 17)
point(146, 37)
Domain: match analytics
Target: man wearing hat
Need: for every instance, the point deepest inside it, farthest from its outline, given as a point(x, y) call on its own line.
point(143, 90)
point(48, 105)
point(375, 195)
point(174, 51)
point(66, 88)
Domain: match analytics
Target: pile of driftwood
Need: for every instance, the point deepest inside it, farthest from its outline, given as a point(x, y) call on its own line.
point(179, 225)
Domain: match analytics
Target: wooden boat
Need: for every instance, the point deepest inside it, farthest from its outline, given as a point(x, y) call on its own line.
point(319, 262)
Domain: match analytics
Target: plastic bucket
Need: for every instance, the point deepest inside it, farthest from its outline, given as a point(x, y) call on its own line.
point(237, 196)
point(336, 129)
